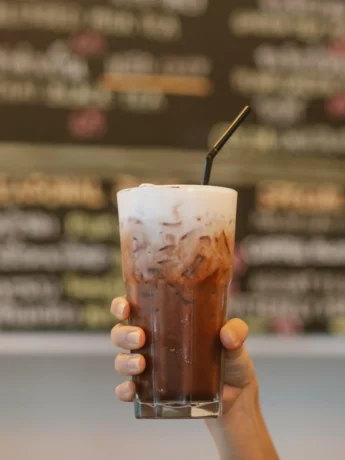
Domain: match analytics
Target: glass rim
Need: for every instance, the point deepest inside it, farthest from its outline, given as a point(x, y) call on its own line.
point(196, 188)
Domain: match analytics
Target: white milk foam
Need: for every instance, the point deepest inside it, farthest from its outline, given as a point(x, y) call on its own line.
point(161, 207)
point(177, 233)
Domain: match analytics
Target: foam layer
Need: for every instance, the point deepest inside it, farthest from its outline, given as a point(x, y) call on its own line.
point(182, 234)
point(178, 206)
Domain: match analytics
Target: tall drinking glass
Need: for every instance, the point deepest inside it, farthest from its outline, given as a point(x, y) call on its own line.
point(177, 244)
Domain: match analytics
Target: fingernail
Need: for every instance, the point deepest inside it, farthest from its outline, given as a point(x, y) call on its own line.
point(127, 391)
point(126, 394)
point(133, 338)
point(232, 340)
point(134, 364)
point(128, 388)
point(119, 307)
point(123, 391)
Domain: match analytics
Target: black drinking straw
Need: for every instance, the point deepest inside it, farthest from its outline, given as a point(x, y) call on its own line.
point(220, 144)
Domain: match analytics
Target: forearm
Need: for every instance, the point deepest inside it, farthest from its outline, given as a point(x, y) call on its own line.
point(242, 434)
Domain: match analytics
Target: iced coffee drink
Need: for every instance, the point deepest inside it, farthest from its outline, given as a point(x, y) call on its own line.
point(177, 247)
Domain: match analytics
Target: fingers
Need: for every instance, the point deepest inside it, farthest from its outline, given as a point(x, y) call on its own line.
point(120, 308)
point(126, 391)
point(233, 334)
point(128, 337)
point(133, 364)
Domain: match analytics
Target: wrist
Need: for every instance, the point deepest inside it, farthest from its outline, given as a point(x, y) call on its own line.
point(246, 406)
point(241, 434)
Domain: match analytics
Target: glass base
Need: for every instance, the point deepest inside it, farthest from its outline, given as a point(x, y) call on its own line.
point(173, 410)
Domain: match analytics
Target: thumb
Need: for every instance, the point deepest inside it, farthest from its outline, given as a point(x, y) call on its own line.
point(238, 366)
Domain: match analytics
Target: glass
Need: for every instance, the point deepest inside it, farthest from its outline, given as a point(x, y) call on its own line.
point(177, 245)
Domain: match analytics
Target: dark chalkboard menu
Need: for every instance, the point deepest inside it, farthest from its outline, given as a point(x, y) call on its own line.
point(173, 73)
point(290, 258)
point(59, 253)
point(60, 263)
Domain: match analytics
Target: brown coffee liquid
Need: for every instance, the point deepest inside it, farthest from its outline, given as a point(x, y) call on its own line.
point(182, 350)
point(179, 298)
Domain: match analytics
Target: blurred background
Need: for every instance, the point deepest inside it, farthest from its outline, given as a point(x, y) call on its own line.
point(100, 95)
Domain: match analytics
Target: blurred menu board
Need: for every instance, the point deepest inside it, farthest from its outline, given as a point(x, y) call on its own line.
point(172, 73)
point(287, 59)
point(115, 72)
point(59, 255)
point(290, 258)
